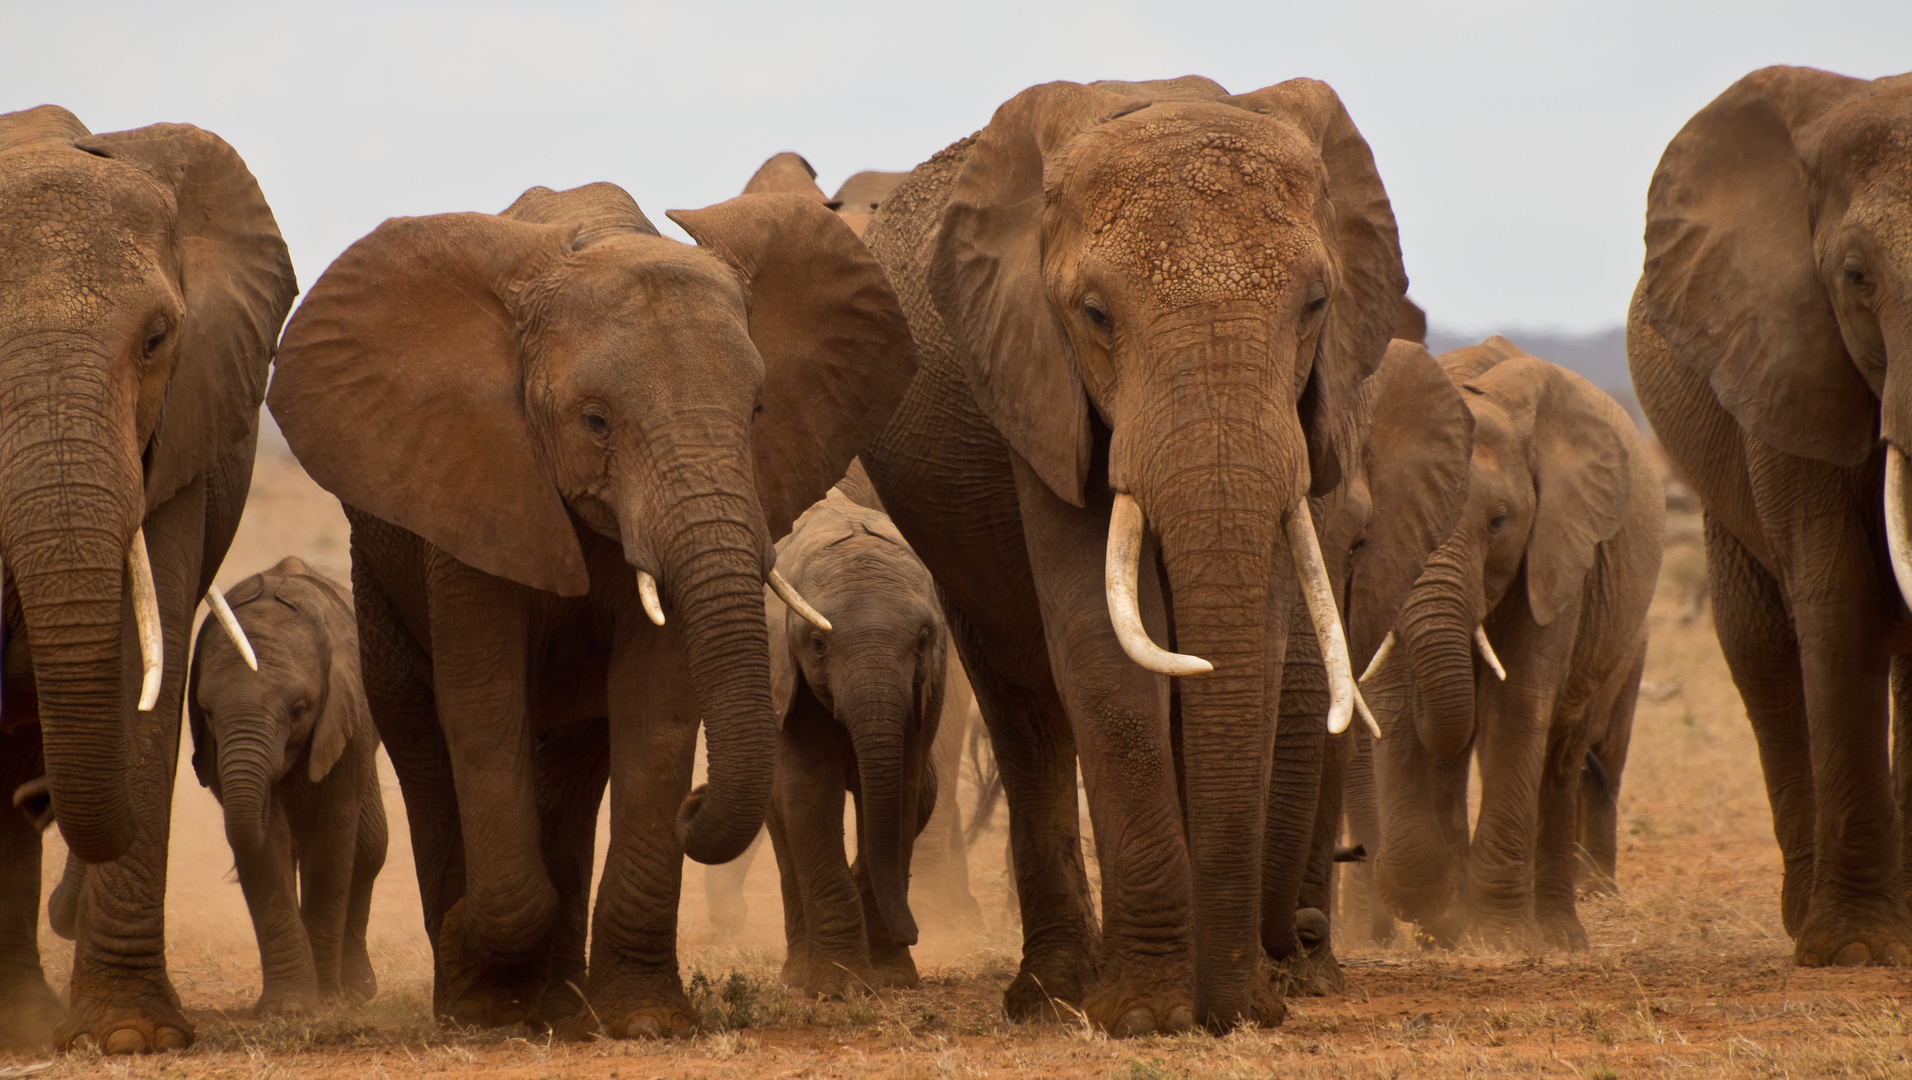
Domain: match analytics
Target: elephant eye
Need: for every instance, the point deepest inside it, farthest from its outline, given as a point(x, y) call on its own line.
point(816, 644)
point(1499, 520)
point(154, 340)
point(596, 423)
point(300, 708)
point(922, 639)
point(1095, 314)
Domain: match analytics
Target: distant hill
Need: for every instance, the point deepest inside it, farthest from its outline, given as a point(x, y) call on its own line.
point(1600, 357)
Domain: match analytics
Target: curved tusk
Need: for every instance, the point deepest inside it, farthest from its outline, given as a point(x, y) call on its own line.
point(1119, 581)
point(1319, 594)
point(647, 592)
point(152, 641)
point(1380, 657)
point(1487, 653)
point(222, 611)
point(1361, 710)
point(789, 595)
point(1898, 535)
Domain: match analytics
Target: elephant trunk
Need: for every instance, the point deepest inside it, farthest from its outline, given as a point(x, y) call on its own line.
point(887, 818)
point(1214, 463)
point(714, 553)
point(247, 770)
point(71, 496)
point(1437, 628)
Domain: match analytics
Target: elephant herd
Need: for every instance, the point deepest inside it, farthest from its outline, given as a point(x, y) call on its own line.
point(1118, 400)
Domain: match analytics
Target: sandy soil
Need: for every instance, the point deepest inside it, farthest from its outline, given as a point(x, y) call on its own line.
point(1689, 972)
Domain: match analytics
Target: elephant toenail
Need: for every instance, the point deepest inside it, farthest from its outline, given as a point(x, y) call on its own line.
point(643, 1027)
point(1181, 1018)
point(1852, 955)
point(1137, 1021)
point(171, 1038)
point(125, 1041)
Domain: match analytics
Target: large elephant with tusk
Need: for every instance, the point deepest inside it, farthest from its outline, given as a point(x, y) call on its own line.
point(1769, 339)
point(566, 445)
point(143, 282)
point(1520, 645)
point(1143, 311)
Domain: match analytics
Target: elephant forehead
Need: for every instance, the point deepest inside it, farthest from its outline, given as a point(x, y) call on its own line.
point(76, 233)
point(1203, 213)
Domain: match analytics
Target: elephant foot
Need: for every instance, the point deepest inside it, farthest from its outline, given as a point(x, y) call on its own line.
point(280, 999)
point(485, 989)
point(1505, 934)
point(1043, 992)
point(663, 1014)
point(833, 976)
point(357, 982)
point(121, 1022)
point(1833, 941)
point(29, 1010)
point(1564, 932)
point(562, 1013)
point(894, 967)
point(1129, 1012)
point(1312, 971)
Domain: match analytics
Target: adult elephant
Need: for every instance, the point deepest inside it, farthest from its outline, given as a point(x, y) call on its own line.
point(1521, 644)
point(143, 287)
point(1139, 305)
point(1402, 495)
point(565, 445)
point(1768, 340)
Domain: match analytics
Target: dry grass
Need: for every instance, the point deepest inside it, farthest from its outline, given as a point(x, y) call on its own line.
point(1689, 974)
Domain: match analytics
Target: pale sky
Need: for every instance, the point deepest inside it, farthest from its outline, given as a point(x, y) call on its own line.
point(1515, 139)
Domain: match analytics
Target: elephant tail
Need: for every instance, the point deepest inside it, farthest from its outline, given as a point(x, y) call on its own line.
point(1594, 779)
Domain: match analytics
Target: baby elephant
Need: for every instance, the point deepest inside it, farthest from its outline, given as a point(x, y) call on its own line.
point(860, 704)
point(287, 746)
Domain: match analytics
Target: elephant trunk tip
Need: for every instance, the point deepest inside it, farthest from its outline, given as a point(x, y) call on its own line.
point(706, 841)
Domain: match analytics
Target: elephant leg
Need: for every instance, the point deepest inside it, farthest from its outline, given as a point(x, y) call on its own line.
point(1422, 819)
point(634, 988)
point(28, 1006)
point(1599, 798)
point(121, 998)
point(796, 928)
point(1145, 979)
point(1756, 634)
point(494, 944)
point(324, 851)
point(724, 892)
point(356, 978)
point(1555, 859)
point(1303, 814)
point(1902, 757)
point(832, 955)
point(398, 689)
point(573, 770)
point(1498, 884)
point(940, 895)
point(269, 877)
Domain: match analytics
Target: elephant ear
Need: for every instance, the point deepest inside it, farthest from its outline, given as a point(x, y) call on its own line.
point(836, 348)
point(237, 283)
point(787, 173)
point(1357, 224)
point(1470, 362)
point(42, 125)
point(986, 280)
point(1581, 468)
point(1729, 279)
point(400, 387)
point(347, 715)
point(597, 210)
point(1416, 463)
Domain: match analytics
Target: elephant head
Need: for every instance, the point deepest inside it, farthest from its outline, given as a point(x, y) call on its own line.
point(494, 383)
point(1190, 286)
point(1549, 479)
point(1779, 266)
point(880, 670)
point(298, 710)
point(144, 285)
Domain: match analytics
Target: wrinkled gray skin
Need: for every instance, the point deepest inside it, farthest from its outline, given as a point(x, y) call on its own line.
point(142, 285)
point(290, 753)
point(1556, 556)
point(860, 705)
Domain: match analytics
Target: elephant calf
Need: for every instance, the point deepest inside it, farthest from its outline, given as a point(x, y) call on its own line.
point(860, 704)
point(282, 736)
point(1521, 645)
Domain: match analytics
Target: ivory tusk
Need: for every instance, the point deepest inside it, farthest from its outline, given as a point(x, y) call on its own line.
point(1898, 535)
point(1487, 653)
point(1380, 657)
point(1119, 582)
point(152, 641)
point(789, 595)
point(1367, 717)
point(1319, 594)
point(222, 611)
point(647, 592)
